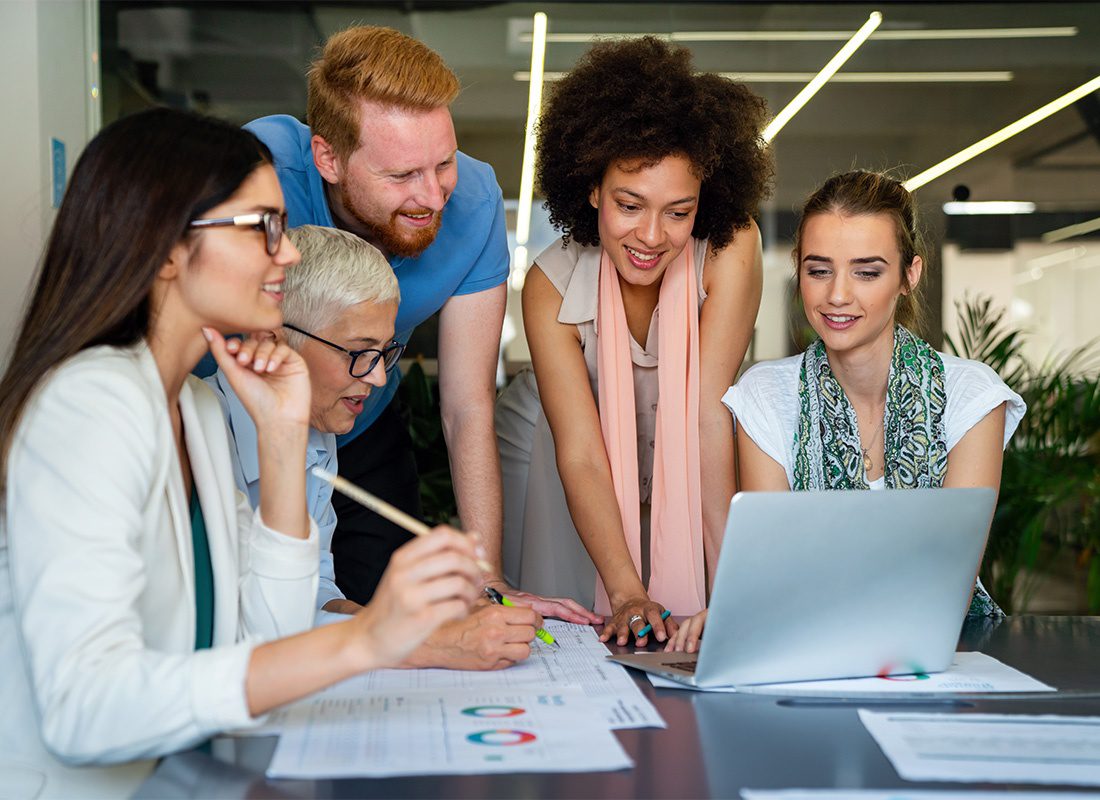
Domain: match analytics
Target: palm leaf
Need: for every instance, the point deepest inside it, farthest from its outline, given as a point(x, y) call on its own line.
point(1050, 483)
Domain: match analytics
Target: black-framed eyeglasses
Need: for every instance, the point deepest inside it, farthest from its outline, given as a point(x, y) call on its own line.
point(390, 354)
point(272, 223)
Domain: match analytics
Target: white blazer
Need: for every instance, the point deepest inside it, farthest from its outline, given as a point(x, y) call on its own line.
point(97, 591)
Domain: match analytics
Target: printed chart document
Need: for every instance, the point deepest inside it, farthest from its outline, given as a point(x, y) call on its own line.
point(446, 733)
point(1002, 748)
point(969, 672)
point(581, 662)
point(905, 794)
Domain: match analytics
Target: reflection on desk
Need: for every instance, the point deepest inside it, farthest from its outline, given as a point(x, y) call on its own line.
point(714, 746)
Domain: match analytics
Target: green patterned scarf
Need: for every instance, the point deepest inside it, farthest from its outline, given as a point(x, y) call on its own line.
point(827, 452)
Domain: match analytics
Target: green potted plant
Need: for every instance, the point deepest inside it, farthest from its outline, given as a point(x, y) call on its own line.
point(420, 400)
point(1050, 485)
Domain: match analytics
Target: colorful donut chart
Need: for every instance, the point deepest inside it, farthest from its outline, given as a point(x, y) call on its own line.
point(915, 669)
point(493, 711)
point(501, 738)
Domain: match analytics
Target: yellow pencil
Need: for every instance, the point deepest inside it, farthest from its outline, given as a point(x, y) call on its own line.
point(409, 523)
point(382, 508)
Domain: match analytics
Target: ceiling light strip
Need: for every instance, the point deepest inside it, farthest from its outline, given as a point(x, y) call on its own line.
point(1004, 133)
point(957, 207)
point(842, 77)
point(1068, 232)
point(534, 105)
point(875, 77)
point(819, 80)
point(914, 34)
point(519, 267)
point(1067, 256)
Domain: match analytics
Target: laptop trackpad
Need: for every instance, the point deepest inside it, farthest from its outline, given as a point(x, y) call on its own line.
point(681, 666)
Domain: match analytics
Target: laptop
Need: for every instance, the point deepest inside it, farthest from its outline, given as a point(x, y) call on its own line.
point(822, 585)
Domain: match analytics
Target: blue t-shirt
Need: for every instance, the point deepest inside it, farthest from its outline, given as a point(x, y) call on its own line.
point(469, 254)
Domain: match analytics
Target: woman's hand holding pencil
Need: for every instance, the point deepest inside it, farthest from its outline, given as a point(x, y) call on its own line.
point(432, 580)
point(415, 526)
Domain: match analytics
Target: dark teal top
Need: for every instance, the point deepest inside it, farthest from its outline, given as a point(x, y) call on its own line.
point(204, 577)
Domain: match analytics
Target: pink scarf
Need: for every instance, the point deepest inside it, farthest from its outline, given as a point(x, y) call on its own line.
point(676, 522)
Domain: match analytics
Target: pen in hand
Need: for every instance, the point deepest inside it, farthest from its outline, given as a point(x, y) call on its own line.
point(414, 526)
point(664, 615)
point(541, 634)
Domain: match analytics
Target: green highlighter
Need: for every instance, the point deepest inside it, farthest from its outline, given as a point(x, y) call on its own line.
point(541, 634)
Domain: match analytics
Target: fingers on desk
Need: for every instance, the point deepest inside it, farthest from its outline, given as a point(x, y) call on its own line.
point(567, 609)
point(660, 623)
point(687, 636)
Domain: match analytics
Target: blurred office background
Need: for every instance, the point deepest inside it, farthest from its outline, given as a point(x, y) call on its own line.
point(933, 79)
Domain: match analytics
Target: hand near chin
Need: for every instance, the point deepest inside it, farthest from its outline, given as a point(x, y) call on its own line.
point(270, 378)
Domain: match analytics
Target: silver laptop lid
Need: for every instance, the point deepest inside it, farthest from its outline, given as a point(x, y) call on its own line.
point(817, 585)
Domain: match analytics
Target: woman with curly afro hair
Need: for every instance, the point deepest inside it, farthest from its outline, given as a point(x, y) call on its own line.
point(617, 453)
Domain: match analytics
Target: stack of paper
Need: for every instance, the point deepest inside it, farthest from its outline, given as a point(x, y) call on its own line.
point(444, 733)
point(581, 661)
point(553, 712)
point(1001, 748)
point(968, 673)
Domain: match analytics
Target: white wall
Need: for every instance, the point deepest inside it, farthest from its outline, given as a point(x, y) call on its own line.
point(1050, 290)
point(772, 322)
point(48, 66)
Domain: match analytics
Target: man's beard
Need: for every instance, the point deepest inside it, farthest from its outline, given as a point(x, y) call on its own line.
point(392, 237)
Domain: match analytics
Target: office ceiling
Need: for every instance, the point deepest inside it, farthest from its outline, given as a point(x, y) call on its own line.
point(242, 60)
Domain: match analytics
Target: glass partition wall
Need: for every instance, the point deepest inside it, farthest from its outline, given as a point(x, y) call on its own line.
point(1017, 223)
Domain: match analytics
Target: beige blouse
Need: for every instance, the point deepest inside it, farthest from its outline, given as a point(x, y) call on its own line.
point(574, 271)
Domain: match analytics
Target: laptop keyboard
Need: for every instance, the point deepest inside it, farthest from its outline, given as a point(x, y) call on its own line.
point(686, 666)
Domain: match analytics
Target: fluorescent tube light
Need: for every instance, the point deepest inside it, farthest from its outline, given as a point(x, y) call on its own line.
point(964, 77)
point(1004, 133)
point(519, 267)
point(534, 106)
point(819, 80)
point(1068, 232)
point(915, 34)
point(1037, 267)
point(841, 77)
point(989, 207)
point(1066, 256)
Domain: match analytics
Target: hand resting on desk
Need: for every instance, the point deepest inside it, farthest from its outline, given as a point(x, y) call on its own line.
point(490, 637)
point(687, 637)
point(623, 624)
point(429, 582)
point(558, 607)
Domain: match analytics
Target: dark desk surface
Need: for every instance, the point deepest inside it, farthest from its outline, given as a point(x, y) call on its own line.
point(715, 744)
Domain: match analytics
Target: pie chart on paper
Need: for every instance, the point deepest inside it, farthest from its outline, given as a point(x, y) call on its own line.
point(501, 737)
point(491, 712)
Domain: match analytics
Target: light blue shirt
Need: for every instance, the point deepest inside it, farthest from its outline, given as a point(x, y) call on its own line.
point(320, 452)
point(469, 254)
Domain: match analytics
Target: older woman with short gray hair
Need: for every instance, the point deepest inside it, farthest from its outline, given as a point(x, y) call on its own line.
point(339, 307)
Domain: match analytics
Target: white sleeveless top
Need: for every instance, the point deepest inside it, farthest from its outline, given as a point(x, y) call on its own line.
point(765, 403)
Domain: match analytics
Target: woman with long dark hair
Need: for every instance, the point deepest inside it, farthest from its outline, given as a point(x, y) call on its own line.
point(141, 600)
